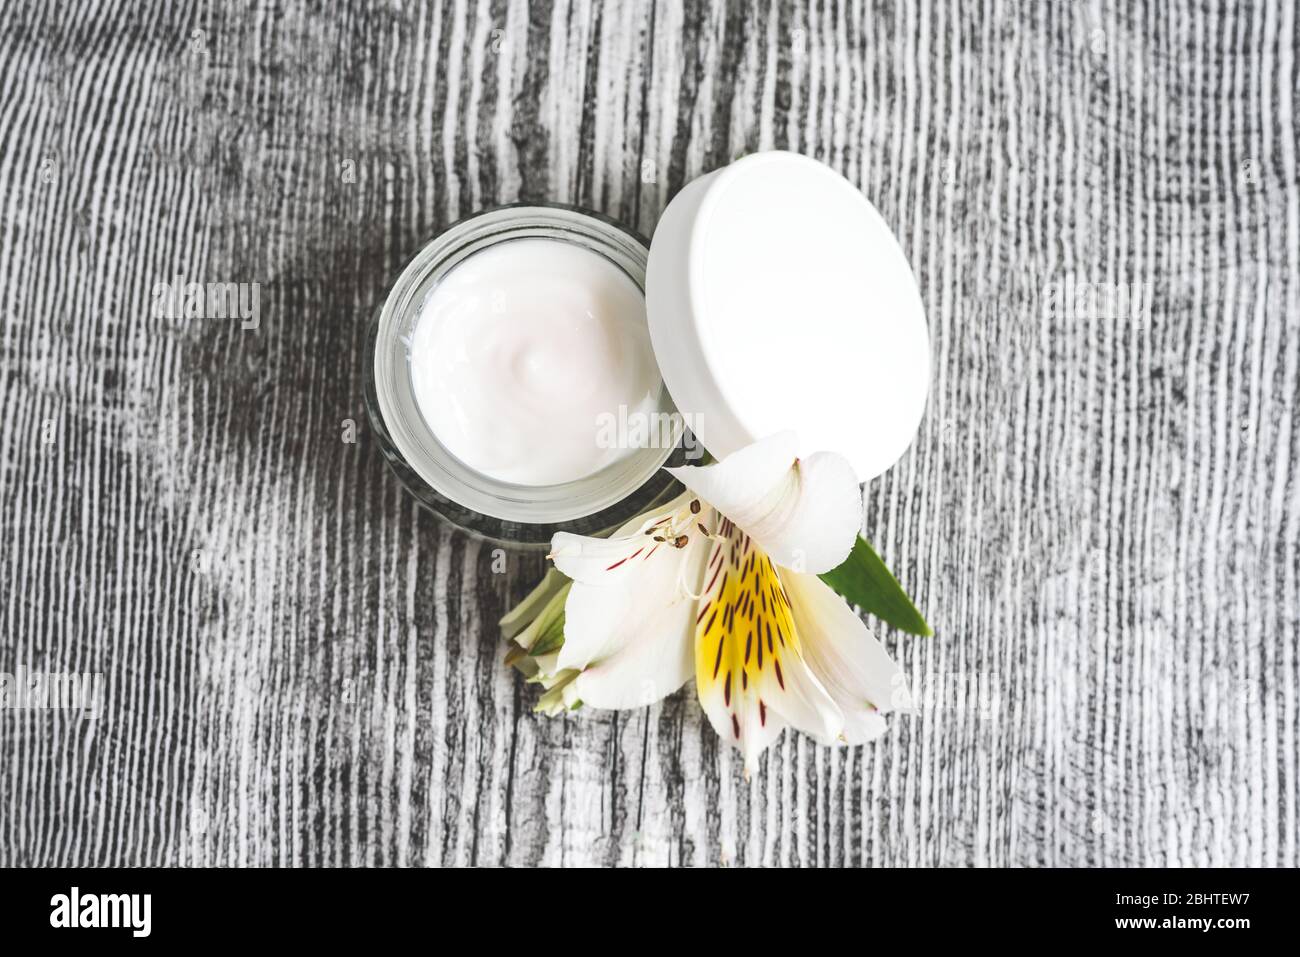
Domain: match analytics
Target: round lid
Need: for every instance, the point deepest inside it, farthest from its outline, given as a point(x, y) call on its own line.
point(778, 298)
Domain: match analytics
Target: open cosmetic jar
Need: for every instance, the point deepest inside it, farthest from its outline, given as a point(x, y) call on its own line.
point(534, 367)
point(511, 380)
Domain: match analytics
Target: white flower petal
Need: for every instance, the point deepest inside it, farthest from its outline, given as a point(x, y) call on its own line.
point(755, 727)
point(846, 658)
point(749, 673)
point(625, 583)
point(805, 513)
point(648, 668)
point(652, 604)
point(630, 613)
point(605, 560)
point(862, 727)
point(744, 479)
point(804, 702)
point(635, 571)
point(813, 529)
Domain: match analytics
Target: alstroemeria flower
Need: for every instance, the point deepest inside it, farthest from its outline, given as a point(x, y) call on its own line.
point(722, 584)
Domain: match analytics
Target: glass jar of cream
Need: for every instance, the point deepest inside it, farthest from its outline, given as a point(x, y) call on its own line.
point(511, 381)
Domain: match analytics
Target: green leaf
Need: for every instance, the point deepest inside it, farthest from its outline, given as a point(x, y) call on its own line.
point(524, 613)
point(863, 579)
point(551, 636)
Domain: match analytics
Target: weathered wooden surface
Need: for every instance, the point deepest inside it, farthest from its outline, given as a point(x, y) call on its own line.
point(1100, 515)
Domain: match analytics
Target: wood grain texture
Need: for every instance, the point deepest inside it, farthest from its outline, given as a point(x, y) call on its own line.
point(1101, 515)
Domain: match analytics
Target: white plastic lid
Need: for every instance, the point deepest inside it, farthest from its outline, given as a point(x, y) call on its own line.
point(777, 298)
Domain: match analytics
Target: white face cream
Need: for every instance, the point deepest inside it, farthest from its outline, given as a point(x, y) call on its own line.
point(523, 350)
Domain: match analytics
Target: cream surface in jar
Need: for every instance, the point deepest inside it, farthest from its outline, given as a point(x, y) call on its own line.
point(523, 350)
